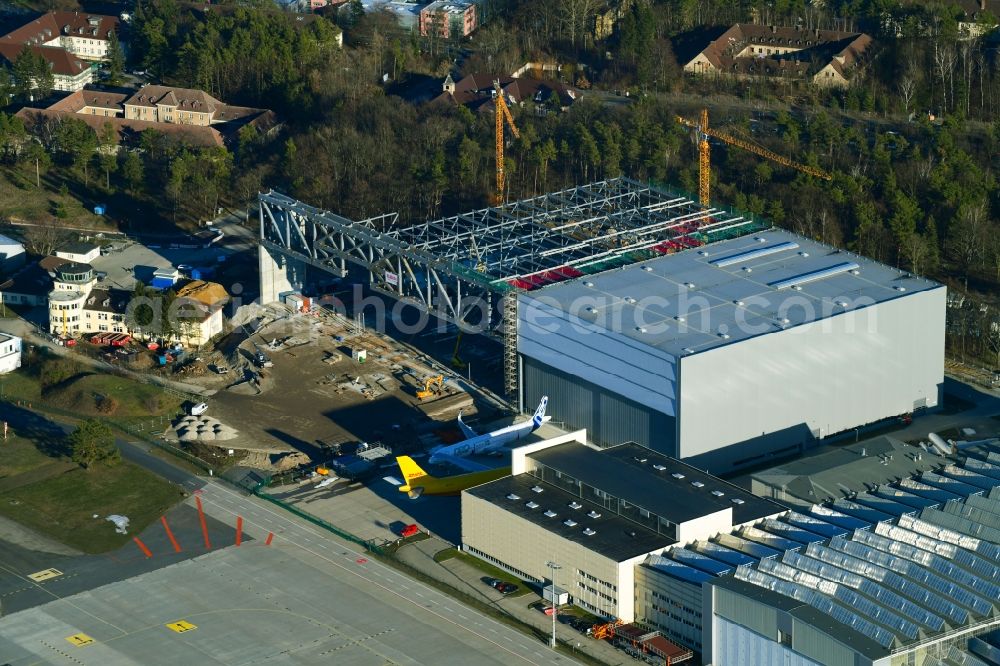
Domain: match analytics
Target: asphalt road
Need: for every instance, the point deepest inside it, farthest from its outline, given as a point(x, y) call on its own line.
point(348, 563)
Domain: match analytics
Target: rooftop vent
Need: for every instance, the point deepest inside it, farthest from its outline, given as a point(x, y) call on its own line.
point(703, 253)
point(737, 500)
point(591, 309)
point(747, 269)
point(796, 287)
point(537, 489)
point(593, 514)
point(900, 288)
point(638, 459)
point(660, 468)
point(746, 255)
point(589, 532)
point(532, 505)
point(724, 336)
point(512, 496)
point(689, 285)
point(570, 523)
point(813, 276)
point(680, 318)
point(855, 272)
point(677, 475)
point(842, 304)
point(803, 254)
point(688, 350)
point(550, 514)
point(588, 283)
point(760, 239)
point(718, 493)
point(640, 329)
point(738, 303)
point(648, 269)
point(575, 505)
point(697, 484)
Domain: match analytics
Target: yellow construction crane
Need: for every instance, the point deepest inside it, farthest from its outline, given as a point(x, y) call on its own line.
point(503, 116)
point(705, 152)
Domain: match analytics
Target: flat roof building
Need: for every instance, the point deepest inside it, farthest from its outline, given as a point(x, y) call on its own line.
point(734, 351)
point(911, 582)
point(843, 472)
point(597, 513)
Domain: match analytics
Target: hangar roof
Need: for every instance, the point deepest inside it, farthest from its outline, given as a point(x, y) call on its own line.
point(723, 292)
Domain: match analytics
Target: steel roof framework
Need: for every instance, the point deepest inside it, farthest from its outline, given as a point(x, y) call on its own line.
point(466, 263)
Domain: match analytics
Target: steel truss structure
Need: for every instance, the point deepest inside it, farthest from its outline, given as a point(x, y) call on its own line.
point(452, 266)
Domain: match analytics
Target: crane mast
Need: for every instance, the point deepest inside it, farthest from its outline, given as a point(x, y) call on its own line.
point(502, 117)
point(704, 154)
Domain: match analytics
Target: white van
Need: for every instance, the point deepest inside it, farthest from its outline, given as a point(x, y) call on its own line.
point(199, 409)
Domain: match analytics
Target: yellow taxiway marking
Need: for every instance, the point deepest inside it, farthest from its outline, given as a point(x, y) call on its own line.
point(180, 626)
point(80, 640)
point(45, 574)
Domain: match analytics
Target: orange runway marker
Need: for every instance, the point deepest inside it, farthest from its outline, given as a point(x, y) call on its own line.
point(270, 536)
point(239, 530)
point(142, 547)
point(204, 527)
point(170, 535)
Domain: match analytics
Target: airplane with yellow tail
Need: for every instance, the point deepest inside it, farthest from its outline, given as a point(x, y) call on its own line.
point(418, 482)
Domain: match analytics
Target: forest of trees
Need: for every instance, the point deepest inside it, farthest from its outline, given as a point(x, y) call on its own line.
point(916, 194)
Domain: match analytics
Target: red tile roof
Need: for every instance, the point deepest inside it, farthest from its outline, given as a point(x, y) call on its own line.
point(182, 98)
point(817, 49)
point(189, 134)
point(62, 61)
point(50, 26)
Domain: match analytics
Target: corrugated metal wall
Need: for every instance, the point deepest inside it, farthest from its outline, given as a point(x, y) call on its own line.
point(608, 417)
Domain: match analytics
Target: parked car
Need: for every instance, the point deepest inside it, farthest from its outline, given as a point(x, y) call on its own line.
point(505, 588)
point(198, 409)
point(492, 582)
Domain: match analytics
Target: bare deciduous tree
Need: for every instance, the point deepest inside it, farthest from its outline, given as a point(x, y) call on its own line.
point(44, 237)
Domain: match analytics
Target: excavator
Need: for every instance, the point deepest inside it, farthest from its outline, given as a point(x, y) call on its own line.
point(432, 387)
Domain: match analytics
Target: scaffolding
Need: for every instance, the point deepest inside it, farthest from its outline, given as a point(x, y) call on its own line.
point(464, 267)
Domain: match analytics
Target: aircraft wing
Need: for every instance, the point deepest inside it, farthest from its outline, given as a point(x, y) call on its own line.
point(463, 463)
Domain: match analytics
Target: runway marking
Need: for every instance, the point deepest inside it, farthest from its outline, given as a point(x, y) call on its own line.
point(390, 590)
point(180, 626)
point(204, 527)
point(142, 547)
point(170, 534)
point(80, 640)
point(45, 574)
point(239, 530)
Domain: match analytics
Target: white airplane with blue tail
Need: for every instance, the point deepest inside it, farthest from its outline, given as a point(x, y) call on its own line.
point(491, 442)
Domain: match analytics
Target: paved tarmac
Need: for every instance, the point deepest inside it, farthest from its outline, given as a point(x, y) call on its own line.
point(303, 599)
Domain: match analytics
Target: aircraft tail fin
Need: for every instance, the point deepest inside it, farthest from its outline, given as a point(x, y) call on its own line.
point(466, 430)
point(539, 417)
point(410, 469)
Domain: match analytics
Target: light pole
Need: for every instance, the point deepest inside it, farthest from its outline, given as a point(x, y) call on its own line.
point(553, 567)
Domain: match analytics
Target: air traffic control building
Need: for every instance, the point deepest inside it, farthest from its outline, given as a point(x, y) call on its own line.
point(728, 353)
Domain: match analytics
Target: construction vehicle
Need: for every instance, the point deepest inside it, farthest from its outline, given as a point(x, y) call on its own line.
point(456, 360)
point(502, 117)
point(703, 131)
point(432, 387)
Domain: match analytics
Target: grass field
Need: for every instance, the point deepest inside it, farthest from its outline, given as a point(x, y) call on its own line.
point(485, 567)
point(63, 507)
point(21, 200)
point(134, 399)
